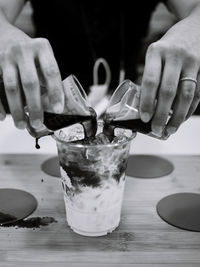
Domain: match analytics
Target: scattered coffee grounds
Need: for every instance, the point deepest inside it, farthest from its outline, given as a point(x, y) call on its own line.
point(34, 222)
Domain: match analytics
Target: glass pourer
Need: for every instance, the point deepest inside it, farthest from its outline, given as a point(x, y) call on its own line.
point(76, 110)
point(123, 111)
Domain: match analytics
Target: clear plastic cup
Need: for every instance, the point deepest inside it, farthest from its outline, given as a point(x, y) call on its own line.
point(93, 179)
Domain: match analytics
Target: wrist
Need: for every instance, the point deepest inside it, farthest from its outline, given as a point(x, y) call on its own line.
point(195, 14)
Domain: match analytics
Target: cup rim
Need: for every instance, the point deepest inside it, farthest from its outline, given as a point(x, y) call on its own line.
point(71, 144)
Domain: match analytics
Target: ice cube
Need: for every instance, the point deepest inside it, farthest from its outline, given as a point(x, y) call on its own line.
point(62, 136)
point(72, 133)
point(101, 139)
point(119, 139)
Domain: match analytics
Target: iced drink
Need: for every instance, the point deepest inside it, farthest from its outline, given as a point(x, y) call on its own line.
point(93, 178)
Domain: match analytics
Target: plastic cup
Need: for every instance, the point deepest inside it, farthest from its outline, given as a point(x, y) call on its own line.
point(93, 179)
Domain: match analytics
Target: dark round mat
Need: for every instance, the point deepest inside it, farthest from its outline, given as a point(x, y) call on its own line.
point(51, 167)
point(147, 166)
point(15, 205)
point(181, 210)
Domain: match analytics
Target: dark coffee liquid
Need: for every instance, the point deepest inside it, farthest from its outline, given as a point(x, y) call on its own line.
point(135, 125)
point(56, 122)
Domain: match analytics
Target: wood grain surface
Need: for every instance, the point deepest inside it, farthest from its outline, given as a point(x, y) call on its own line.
point(142, 239)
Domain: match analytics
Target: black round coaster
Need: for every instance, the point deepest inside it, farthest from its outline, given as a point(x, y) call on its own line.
point(15, 205)
point(181, 210)
point(147, 166)
point(51, 167)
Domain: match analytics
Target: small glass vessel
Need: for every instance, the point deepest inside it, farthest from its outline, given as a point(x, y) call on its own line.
point(123, 112)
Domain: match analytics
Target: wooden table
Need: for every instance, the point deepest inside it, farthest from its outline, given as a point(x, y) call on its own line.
point(142, 239)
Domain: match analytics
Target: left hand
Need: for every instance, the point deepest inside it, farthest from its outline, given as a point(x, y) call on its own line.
point(176, 55)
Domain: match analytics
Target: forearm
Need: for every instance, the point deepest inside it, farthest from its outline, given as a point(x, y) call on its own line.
point(186, 32)
point(3, 19)
point(194, 15)
point(10, 9)
point(8, 32)
point(184, 8)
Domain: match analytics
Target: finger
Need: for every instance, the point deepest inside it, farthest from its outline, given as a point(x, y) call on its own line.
point(166, 94)
point(52, 79)
point(196, 99)
point(31, 88)
point(2, 112)
point(182, 103)
point(150, 83)
point(13, 94)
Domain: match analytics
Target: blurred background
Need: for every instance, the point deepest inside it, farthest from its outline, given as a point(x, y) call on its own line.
point(180, 143)
point(161, 21)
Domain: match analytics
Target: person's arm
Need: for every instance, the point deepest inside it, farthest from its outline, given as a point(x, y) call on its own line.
point(182, 8)
point(24, 61)
point(11, 9)
point(175, 56)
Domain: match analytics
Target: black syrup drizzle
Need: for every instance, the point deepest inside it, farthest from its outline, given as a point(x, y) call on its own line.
point(37, 146)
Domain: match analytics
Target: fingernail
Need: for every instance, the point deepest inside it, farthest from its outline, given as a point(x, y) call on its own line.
point(36, 123)
point(158, 130)
point(21, 124)
point(2, 117)
point(165, 134)
point(171, 130)
point(58, 108)
point(145, 116)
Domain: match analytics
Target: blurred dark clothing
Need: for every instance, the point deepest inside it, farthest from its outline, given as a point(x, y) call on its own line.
point(82, 31)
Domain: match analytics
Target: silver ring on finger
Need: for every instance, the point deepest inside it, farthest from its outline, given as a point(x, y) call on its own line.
point(188, 79)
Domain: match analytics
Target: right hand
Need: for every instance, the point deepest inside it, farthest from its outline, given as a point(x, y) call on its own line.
point(25, 64)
